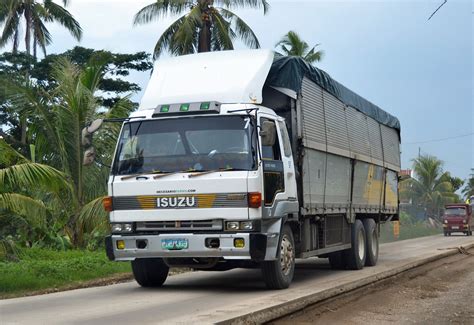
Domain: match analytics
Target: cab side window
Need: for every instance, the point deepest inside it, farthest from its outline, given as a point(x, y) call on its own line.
point(273, 171)
point(271, 152)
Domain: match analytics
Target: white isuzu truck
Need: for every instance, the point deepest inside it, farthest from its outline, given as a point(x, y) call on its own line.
point(250, 159)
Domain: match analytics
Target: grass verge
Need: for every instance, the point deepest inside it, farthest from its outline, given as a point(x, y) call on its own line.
point(407, 231)
point(42, 269)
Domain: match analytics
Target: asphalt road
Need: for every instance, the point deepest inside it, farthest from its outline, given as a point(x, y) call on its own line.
point(206, 297)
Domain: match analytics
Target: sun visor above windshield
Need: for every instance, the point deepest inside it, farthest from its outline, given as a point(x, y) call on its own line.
point(225, 77)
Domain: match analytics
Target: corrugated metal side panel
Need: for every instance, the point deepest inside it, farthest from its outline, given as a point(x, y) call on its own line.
point(314, 176)
point(358, 132)
point(376, 175)
point(314, 128)
point(375, 139)
point(338, 178)
point(336, 128)
point(391, 193)
point(391, 148)
point(360, 193)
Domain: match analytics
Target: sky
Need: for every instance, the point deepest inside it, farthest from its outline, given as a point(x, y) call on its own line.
point(420, 71)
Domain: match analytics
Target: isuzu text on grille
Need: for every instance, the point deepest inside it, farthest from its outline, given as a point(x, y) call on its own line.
point(175, 202)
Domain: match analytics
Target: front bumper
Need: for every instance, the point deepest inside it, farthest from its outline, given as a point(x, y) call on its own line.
point(462, 227)
point(255, 246)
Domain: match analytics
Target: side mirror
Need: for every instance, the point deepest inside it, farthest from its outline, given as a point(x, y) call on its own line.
point(86, 139)
point(89, 130)
point(89, 156)
point(268, 133)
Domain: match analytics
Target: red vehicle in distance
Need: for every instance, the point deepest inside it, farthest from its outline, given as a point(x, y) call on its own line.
point(458, 218)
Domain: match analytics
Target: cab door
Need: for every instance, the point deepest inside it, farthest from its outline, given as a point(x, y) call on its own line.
point(279, 181)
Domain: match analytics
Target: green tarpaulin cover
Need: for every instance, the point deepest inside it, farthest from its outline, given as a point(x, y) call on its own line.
point(288, 72)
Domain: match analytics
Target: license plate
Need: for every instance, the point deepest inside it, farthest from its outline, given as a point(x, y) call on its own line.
point(455, 227)
point(174, 244)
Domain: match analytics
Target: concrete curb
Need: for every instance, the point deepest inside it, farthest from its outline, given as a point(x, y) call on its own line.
point(292, 306)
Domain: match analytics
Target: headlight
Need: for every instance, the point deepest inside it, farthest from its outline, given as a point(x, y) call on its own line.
point(445, 221)
point(121, 227)
point(464, 221)
point(246, 225)
point(240, 225)
point(232, 225)
point(116, 227)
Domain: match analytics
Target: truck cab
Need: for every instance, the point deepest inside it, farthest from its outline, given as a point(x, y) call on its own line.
point(458, 218)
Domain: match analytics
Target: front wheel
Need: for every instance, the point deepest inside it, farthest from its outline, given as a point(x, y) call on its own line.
point(278, 274)
point(356, 256)
point(150, 272)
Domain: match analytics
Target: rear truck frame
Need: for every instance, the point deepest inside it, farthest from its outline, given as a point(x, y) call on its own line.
point(298, 166)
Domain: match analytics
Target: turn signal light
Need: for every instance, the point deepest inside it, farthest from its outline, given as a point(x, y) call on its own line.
point(255, 200)
point(107, 203)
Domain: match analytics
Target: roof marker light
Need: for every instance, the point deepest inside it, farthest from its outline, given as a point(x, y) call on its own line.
point(205, 106)
point(184, 107)
point(165, 108)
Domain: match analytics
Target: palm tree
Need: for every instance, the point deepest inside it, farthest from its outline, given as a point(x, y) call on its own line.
point(17, 176)
point(57, 120)
point(34, 14)
point(431, 187)
point(292, 45)
point(203, 25)
point(468, 190)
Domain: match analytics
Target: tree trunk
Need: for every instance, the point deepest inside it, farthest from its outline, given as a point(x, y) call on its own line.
point(205, 38)
point(23, 129)
point(28, 31)
point(204, 43)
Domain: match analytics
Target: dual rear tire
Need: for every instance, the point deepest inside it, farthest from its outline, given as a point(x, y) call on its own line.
point(364, 249)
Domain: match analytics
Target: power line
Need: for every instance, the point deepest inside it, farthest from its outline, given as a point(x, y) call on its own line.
point(441, 139)
point(438, 9)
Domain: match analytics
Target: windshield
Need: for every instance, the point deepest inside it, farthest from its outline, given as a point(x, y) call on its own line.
point(455, 211)
point(185, 144)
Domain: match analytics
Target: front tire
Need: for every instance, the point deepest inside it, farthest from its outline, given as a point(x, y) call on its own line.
point(278, 274)
point(356, 256)
point(372, 242)
point(150, 272)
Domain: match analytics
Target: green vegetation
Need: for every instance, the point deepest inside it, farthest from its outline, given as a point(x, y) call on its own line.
point(409, 228)
point(468, 190)
point(202, 26)
point(431, 187)
point(292, 45)
point(41, 269)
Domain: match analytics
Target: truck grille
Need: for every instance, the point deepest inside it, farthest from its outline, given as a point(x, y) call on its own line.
point(191, 225)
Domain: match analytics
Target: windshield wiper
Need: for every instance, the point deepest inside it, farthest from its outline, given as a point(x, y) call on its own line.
point(205, 172)
point(146, 173)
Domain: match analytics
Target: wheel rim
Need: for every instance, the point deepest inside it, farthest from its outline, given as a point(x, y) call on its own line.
point(375, 247)
point(286, 255)
point(361, 240)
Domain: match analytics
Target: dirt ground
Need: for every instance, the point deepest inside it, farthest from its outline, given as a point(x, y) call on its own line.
point(441, 292)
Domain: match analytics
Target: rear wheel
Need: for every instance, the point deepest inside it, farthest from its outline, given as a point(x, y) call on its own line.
point(150, 272)
point(356, 256)
point(278, 274)
point(372, 242)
